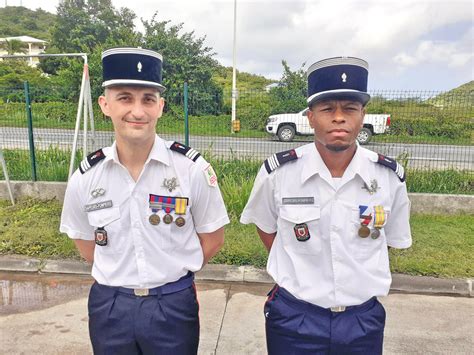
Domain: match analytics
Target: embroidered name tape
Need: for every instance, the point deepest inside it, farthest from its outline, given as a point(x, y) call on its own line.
point(98, 206)
point(297, 200)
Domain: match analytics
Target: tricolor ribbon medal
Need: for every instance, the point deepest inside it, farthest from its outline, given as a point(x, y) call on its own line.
point(155, 203)
point(301, 232)
point(379, 221)
point(168, 206)
point(365, 219)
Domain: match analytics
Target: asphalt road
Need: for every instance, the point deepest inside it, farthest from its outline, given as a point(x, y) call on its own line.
point(418, 155)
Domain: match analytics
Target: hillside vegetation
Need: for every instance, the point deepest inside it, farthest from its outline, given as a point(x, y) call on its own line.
point(20, 21)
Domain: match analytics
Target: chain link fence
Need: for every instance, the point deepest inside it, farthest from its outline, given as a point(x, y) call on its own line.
point(423, 129)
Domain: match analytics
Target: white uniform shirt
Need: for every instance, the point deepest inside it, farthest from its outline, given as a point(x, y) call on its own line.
point(334, 267)
point(139, 254)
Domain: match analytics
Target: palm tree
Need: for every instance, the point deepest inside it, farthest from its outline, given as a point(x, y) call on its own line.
point(14, 46)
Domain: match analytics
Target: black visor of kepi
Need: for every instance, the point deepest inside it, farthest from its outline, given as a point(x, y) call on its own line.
point(341, 78)
point(132, 66)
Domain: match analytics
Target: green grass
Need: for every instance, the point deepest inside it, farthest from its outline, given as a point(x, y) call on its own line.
point(236, 175)
point(442, 245)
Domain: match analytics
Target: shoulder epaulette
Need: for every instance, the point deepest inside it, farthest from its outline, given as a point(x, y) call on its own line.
point(185, 150)
point(91, 160)
point(279, 159)
point(392, 164)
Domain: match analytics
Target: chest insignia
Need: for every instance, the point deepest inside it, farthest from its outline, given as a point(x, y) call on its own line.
point(97, 192)
point(170, 184)
point(374, 186)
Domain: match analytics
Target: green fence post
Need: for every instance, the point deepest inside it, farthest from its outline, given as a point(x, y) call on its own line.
point(29, 118)
point(186, 118)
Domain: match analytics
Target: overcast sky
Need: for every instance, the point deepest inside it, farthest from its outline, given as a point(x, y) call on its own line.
point(409, 44)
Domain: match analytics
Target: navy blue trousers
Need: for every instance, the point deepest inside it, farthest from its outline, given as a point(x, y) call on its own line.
point(298, 327)
point(121, 323)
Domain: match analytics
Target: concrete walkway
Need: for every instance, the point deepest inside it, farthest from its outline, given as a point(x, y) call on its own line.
point(232, 321)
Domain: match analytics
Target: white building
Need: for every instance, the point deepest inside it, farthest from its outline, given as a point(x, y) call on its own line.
point(35, 46)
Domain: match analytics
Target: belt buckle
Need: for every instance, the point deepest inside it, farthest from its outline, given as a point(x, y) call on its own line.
point(338, 309)
point(141, 292)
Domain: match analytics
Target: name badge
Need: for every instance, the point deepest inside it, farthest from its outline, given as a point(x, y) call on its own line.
point(98, 206)
point(298, 200)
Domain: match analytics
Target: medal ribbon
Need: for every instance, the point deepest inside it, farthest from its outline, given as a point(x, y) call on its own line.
point(155, 203)
point(180, 206)
point(364, 219)
point(379, 220)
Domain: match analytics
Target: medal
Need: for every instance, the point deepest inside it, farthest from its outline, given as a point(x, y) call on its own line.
point(154, 219)
point(379, 221)
point(100, 236)
point(364, 231)
point(180, 221)
point(167, 218)
point(375, 233)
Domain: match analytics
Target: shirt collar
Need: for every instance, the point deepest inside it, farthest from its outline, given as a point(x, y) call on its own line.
point(159, 152)
point(314, 164)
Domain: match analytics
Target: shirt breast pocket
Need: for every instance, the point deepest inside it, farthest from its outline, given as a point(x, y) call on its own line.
point(299, 228)
point(363, 248)
point(109, 219)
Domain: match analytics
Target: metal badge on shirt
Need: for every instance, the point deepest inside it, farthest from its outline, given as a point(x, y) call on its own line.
point(98, 206)
point(374, 186)
point(170, 184)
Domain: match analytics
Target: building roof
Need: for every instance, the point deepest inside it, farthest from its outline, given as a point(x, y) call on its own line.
point(26, 39)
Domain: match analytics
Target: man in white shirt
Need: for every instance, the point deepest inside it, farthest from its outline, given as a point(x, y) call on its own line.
point(147, 213)
point(327, 212)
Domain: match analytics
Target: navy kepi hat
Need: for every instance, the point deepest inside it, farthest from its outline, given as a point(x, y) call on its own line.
point(338, 78)
point(132, 66)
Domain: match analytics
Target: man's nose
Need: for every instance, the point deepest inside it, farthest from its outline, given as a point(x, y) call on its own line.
point(137, 110)
point(339, 115)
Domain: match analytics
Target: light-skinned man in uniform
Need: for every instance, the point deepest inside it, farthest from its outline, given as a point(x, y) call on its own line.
point(147, 213)
point(327, 212)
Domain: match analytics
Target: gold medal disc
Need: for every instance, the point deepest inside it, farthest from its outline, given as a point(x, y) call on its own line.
point(167, 218)
point(154, 219)
point(180, 221)
point(364, 231)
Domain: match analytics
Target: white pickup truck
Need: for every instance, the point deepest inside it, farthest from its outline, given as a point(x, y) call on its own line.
point(286, 125)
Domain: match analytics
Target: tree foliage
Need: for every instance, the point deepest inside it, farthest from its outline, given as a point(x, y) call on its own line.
point(290, 94)
point(186, 58)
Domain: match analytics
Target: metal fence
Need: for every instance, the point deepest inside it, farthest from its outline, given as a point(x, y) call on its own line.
point(423, 129)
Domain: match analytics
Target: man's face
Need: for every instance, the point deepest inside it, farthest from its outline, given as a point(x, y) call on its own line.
point(134, 111)
point(336, 123)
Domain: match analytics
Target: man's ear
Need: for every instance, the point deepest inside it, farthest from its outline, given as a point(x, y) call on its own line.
point(103, 105)
point(364, 111)
point(311, 118)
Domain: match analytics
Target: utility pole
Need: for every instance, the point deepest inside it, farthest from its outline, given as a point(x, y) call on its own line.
point(234, 76)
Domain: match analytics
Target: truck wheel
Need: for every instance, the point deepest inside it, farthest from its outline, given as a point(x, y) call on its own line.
point(286, 133)
point(364, 136)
